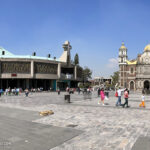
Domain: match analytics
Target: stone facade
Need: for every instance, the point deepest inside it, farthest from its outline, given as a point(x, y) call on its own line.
point(134, 74)
point(45, 68)
point(15, 67)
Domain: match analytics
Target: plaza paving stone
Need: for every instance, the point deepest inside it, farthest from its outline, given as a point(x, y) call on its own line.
point(143, 143)
point(19, 134)
point(104, 127)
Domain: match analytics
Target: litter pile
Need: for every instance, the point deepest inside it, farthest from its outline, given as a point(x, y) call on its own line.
point(46, 113)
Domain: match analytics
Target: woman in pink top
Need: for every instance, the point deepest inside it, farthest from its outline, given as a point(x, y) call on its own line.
point(102, 94)
point(126, 96)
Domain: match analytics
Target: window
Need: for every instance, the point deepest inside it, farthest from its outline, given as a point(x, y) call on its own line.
point(131, 70)
point(125, 74)
point(3, 52)
point(131, 85)
point(121, 82)
point(121, 59)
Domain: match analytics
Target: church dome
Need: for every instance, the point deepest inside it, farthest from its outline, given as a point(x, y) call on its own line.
point(123, 46)
point(147, 47)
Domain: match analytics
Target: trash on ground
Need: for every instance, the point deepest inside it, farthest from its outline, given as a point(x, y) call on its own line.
point(46, 113)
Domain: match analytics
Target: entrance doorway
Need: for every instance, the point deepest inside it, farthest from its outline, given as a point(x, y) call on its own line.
point(12, 83)
point(62, 85)
point(146, 85)
point(131, 85)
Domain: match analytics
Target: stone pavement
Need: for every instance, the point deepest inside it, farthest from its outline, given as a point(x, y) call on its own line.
point(103, 127)
point(143, 143)
point(17, 132)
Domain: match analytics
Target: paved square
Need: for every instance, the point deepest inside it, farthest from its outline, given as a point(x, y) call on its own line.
point(25, 135)
point(143, 143)
point(19, 133)
point(94, 126)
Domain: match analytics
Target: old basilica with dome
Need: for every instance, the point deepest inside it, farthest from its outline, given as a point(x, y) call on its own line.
point(134, 74)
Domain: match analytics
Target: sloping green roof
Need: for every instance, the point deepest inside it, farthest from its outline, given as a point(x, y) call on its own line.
point(10, 55)
point(7, 53)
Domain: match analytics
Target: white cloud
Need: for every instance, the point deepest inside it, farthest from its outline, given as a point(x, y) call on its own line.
point(112, 63)
point(106, 70)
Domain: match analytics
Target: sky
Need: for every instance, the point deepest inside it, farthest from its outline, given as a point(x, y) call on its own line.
point(95, 29)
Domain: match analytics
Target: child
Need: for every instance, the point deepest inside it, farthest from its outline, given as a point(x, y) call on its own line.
point(143, 101)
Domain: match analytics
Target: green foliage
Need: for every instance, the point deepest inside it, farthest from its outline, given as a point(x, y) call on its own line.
point(115, 78)
point(84, 85)
point(76, 59)
point(86, 74)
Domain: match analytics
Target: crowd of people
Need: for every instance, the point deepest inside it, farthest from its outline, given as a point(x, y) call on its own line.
point(78, 90)
point(84, 90)
point(103, 94)
point(9, 91)
point(16, 91)
point(119, 92)
point(40, 89)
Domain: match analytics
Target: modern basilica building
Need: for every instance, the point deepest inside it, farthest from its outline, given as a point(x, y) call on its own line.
point(35, 72)
point(134, 74)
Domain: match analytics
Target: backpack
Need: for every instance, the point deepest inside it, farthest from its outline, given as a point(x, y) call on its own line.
point(116, 94)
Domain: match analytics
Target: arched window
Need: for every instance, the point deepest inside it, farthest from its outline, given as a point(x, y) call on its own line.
point(131, 70)
point(146, 85)
point(121, 59)
point(131, 85)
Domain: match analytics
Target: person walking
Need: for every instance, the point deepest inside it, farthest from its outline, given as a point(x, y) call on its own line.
point(58, 90)
point(126, 96)
point(98, 92)
point(67, 89)
point(143, 100)
point(102, 95)
point(78, 90)
point(26, 92)
point(119, 92)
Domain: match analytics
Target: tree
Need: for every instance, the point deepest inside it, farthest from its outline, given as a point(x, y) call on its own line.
point(72, 62)
point(86, 74)
point(115, 78)
point(76, 59)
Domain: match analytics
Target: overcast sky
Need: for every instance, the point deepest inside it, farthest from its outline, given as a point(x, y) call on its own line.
point(95, 29)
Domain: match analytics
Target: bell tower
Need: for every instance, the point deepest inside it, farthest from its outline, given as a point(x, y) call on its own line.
point(123, 66)
point(66, 56)
point(67, 47)
point(122, 54)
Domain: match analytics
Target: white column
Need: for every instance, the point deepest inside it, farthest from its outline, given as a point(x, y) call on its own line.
point(32, 69)
point(75, 72)
point(59, 70)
